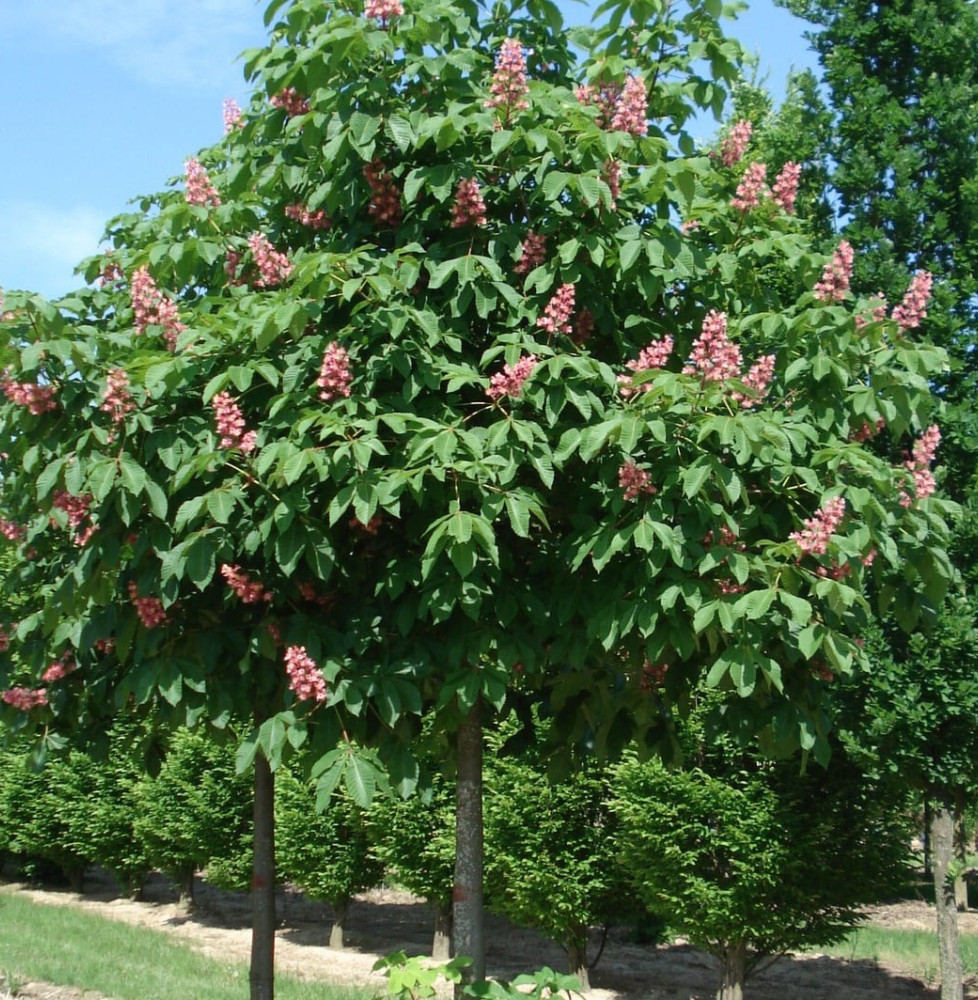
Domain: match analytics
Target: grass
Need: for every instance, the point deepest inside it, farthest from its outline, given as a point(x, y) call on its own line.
point(66, 946)
point(913, 951)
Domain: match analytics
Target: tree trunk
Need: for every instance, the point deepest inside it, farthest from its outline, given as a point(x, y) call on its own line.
point(960, 852)
point(262, 974)
point(441, 942)
point(467, 926)
point(928, 870)
point(733, 972)
point(942, 848)
point(340, 909)
point(577, 956)
point(185, 891)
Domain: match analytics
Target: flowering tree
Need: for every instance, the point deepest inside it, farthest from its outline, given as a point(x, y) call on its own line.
point(417, 391)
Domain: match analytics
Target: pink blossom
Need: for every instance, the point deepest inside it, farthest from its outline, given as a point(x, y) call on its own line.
point(152, 308)
point(631, 108)
point(10, 530)
point(918, 464)
point(913, 308)
point(232, 261)
point(785, 188)
point(383, 10)
point(751, 188)
point(232, 115)
point(291, 102)
point(37, 398)
point(509, 88)
point(560, 308)
point(83, 537)
point(533, 252)
point(836, 275)
point(714, 355)
point(149, 609)
point(76, 508)
point(231, 424)
point(469, 208)
point(60, 669)
point(111, 274)
point(117, 401)
point(654, 356)
point(305, 677)
point(249, 591)
point(757, 380)
point(867, 430)
point(307, 217)
point(734, 145)
point(817, 532)
point(385, 198)
point(605, 98)
point(200, 191)
point(4, 639)
point(612, 177)
point(24, 698)
point(634, 481)
point(877, 313)
point(509, 382)
point(273, 266)
point(334, 375)
point(689, 226)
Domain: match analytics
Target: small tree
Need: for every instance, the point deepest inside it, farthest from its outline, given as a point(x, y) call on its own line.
point(750, 859)
point(325, 854)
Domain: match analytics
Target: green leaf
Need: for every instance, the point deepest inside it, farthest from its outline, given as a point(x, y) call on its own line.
point(157, 500)
point(220, 504)
point(629, 254)
point(132, 474)
point(695, 476)
point(360, 779)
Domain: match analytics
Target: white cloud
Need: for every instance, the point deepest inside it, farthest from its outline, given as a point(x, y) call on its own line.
point(40, 245)
point(183, 42)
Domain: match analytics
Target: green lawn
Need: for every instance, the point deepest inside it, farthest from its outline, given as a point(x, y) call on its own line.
point(67, 946)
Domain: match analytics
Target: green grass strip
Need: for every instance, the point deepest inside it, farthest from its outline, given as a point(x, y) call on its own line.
point(914, 951)
point(67, 946)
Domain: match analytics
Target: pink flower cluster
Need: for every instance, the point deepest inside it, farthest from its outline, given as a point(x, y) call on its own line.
point(5, 638)
point(752, 187)
point(152, 308)
point(249, 591)
point(307, 217)
point(385, 196)
point(111, 274)
point(734, 145)
point(654, 356)
point(60, 669)
point(232, 115)
point(509, 88)
point(305, 678)
point(533, 252)
point(117, 400)
point(334, 374)
point(817, 532)
point(714, 355)
point(605, 98)
point(76, 508)
point(836, 275)
point(913, 308)
point(231, 424)
point(918, 464)
point(867, 430)
point(150, 609)
point(757, 380)
point(876, 314)
point(37, 398)
point(469, 208)
point(10, 530)
point(200, 191)
point(383, 10)
point(291, 102)
point(24, 698)
point(785, 188)
point(631, 109)
point(273, 267)
point(556, 316)
point(509, 382)
point(634, 481)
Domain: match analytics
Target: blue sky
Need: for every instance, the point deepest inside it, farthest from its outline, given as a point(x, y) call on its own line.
point(103, 100)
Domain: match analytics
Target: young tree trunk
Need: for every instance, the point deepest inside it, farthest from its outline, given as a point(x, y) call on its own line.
point(467, 926)
point(441, 942)
point(960, 852)
point(262, 974)
point(928, 870)
point(942, 848)
point(185, 891)
point(577, 956)
point(733, 972)
point(340, 909)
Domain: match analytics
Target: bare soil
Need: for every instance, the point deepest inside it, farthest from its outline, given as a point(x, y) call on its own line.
point(385, 920)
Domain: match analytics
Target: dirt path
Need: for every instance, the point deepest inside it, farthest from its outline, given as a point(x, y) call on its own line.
point(383, 921)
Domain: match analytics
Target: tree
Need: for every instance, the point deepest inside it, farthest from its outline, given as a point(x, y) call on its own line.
point(364, 419)
point(732, 849)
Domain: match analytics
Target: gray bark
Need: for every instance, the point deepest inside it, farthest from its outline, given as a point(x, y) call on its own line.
point(577, 957)
point(733, 972)
point(441, 942)
point(262, 973)
point(336, 934)
point(949, 949)
point(467, 930)
point(960, 853)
